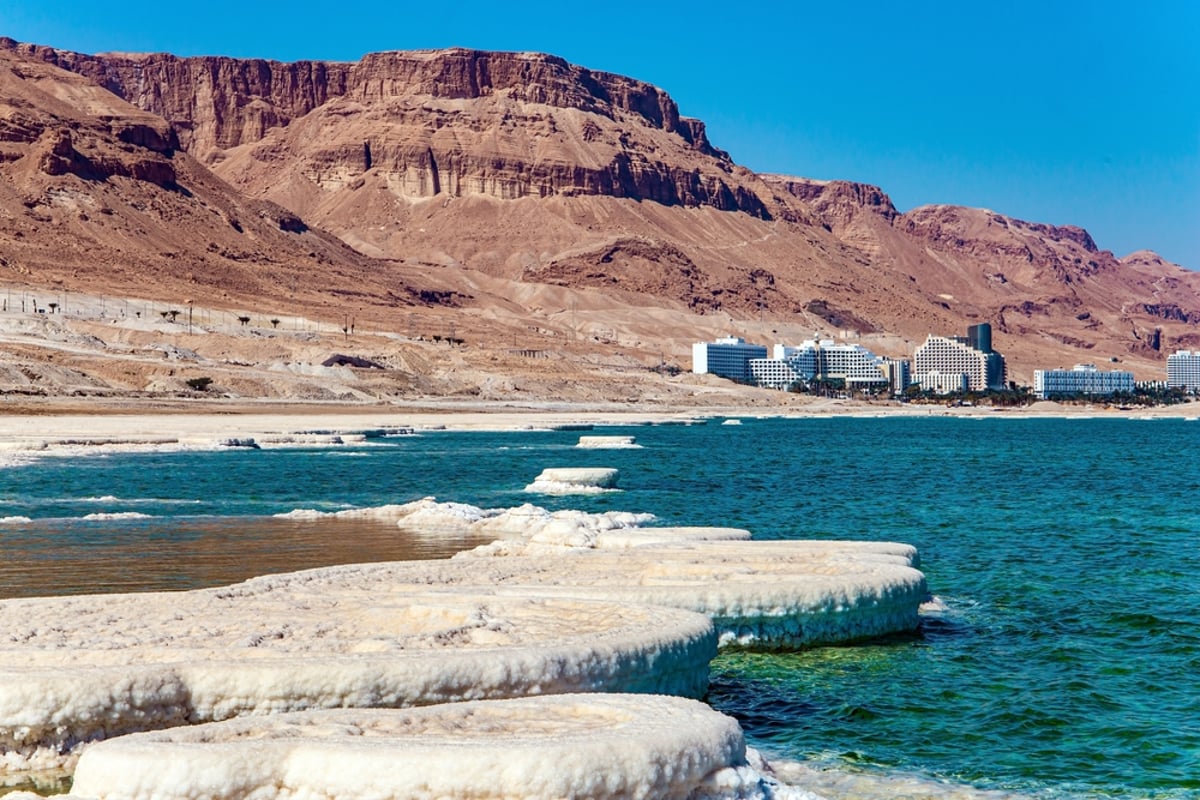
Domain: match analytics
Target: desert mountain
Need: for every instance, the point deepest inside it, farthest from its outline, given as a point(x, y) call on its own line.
point(517, 192)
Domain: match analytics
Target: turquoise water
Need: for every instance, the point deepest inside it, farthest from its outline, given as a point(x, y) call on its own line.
point(1063, 660)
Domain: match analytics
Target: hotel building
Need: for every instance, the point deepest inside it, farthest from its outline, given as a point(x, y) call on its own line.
point(853, 364)
point(1183, 370)
point(940, 383)
point(1082, 379)
point(728, 357)
point(898, 371)
point(971, 356)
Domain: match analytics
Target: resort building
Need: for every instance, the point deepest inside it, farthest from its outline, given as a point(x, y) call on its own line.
point(728, 357)
point(774, 373)
point(938, 383)
point(971, 356)
point(853, 364)
point(1183, 370)
point(898, 372)
point(1082, 379)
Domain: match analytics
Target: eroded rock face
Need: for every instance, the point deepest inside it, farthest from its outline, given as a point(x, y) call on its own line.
point(218, 104)
point(837, 202)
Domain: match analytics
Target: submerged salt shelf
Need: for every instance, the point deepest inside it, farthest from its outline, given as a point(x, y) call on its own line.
point(608, 443)
point(578, 746)
point(574, 480)
point(77, 669)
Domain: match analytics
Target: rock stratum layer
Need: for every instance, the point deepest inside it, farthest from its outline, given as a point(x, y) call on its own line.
point(219, 104)
point(498, 194)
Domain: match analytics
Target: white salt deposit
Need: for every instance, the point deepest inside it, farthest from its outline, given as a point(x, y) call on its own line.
point(429, 514)
point(116, 515)
point(608, 443)
point(764, 595)
point(577, 746)
point(525, 523)
point(574, 480)
point(76, 669)
point(15, 520)
point(387, 513)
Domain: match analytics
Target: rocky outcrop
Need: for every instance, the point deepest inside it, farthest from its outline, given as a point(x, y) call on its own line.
point(225, 102)
point(212, 103)
point(218, 104)
point(836, 203)
point(55, 154)
point(1066, 253)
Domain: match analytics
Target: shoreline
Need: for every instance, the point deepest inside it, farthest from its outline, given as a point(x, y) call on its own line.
point(81, 422)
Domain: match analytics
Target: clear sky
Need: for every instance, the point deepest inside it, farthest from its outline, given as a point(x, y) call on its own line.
point(1083, 113)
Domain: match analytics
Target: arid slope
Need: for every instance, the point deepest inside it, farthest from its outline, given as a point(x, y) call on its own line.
point(514, 195)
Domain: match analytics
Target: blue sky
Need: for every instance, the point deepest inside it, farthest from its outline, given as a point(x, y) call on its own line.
point(1083, 113)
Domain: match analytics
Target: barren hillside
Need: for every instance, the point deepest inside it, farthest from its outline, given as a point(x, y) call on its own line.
point(524, 203)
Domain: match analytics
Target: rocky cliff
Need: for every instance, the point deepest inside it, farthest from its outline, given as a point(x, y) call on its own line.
point(96, 195)
point(218, 104)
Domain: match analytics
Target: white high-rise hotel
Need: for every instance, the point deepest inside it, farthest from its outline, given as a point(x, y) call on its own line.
point(1183, 370)
point(943, 357)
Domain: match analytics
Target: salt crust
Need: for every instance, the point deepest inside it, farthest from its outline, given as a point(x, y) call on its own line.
point(75, 669)
point(759, 594)
point(577, 746)
point(574, 480)
point(762, 595)
point(527, 524)
point(608, 443)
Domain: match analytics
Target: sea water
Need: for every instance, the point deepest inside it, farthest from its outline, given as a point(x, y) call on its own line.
point(1060, 659)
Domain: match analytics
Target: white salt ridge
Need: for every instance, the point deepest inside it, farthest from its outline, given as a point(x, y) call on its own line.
point(108, 498)
point(29, 449)
point(424, 513)
point(526, 522)
point(116, 515)
point(78, 669)
point(312, 440)
point(587, 747)
point(608, 443)
point(574, 480)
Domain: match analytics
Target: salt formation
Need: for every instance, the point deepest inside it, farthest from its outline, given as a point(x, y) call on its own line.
point(574, 480)
point(763, 595)
point(522, 522)
point(577, 746)
point(608, 443)
point(75, 669)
